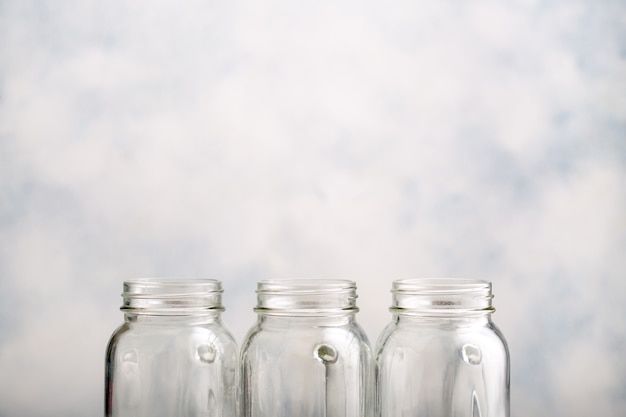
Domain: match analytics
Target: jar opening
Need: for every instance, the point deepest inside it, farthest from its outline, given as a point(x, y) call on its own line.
point(306, 297)
point(171, 296)
point(441, 297)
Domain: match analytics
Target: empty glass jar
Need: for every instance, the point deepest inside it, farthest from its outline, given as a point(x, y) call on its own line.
point(172, 356)
point(442, 356)
point(307, 356)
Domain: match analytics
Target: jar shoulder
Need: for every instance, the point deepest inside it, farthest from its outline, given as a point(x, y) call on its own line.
point(418, 336)
point(139, 336)
point(260, 338)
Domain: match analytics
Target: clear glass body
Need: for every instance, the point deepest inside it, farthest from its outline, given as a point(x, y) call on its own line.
point(307, 356)
point(442, 356)
point(172, 356)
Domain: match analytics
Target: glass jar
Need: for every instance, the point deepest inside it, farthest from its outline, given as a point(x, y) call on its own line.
point(441, 355)
point(172, 356)
point(307, 356)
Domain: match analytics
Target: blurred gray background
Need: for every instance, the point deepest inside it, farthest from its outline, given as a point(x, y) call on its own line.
point(369, 140)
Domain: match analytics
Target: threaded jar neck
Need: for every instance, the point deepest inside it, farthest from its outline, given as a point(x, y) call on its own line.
point(172, 297)
point(442, 297)
point(306, 297)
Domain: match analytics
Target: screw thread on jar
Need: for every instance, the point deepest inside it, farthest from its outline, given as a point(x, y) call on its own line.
point(437, 297)
point(306, 297)
point(172, 297)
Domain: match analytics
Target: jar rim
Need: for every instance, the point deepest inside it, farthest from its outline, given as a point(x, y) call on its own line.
point(304, 285)
point(440, 285)
point(166, 286)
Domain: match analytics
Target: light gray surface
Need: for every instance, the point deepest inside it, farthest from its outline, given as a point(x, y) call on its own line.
point(360, 139)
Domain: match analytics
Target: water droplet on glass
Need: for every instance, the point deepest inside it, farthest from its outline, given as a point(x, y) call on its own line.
point(206, 353)
point(326, 354)
point(471, 354)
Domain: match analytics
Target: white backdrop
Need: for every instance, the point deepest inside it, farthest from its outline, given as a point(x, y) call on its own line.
point(369, 140)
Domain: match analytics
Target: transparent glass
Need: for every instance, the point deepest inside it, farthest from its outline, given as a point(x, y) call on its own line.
point(172, 356)
point(307, 356)
point(441, 355)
